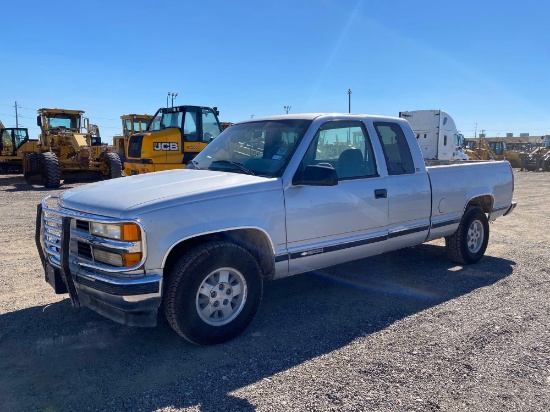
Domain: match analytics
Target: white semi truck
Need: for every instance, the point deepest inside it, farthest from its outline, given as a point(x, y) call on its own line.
point(436, 133)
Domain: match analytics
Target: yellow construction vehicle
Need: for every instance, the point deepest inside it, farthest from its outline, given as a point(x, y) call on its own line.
point(131, 124)
point(539, 158)
point(173, 138)
point(13, 142)
point(68, 144)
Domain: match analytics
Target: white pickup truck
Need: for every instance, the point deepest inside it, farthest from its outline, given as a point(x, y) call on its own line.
point(268, 198)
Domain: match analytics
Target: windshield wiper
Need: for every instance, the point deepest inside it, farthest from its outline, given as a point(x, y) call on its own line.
point(236, 164)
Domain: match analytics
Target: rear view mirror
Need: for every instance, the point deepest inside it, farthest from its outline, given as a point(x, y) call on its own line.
point(315, 175)
point(39, 121)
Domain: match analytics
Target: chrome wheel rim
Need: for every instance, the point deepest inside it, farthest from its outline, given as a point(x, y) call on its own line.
point(221, 296)
point(475, 236)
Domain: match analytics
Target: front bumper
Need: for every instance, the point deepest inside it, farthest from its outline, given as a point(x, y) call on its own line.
point(510, 209)
point(131, 299)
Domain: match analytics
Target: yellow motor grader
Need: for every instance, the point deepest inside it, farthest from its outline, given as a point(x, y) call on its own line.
point(68, 145)
point(13, 142)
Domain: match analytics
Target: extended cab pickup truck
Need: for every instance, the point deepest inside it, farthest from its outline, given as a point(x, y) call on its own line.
point(267, 198)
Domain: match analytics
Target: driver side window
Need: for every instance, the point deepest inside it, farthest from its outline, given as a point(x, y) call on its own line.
point(344, 146)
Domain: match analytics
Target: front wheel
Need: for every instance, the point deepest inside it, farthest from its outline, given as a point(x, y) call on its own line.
point(213, 293)
point(51, 173)
point(469, 242)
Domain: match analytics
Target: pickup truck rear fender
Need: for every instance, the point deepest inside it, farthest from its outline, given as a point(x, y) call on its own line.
point(485, 202)
point(254, 240)
point(448, 225)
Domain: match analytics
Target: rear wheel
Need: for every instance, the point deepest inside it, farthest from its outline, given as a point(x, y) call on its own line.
point(114, 165)
point(213, 293)
point(51, 174)
point(469, 242)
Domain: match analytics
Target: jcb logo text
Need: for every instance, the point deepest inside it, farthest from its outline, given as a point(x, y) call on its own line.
point(165, 146)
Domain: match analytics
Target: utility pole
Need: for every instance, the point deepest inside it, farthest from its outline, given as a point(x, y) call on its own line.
point(287, 108)
point(16, 116)
point(475, 132)
point(349, 100)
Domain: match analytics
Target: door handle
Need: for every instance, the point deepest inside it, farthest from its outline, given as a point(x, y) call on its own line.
point(380, 193)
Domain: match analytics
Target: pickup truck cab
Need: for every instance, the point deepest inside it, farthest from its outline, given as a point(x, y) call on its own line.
point(268, 198)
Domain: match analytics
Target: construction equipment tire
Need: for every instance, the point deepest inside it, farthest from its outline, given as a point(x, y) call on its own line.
point(114, 165)
point(31, 167)
point(51, 173)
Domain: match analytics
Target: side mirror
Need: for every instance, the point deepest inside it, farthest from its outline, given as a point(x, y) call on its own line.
point(39, 121)
point(315, 175)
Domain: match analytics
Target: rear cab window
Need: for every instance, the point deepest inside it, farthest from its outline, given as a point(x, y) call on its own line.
point(396, 149)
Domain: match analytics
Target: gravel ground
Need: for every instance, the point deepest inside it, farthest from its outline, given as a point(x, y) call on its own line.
point(405, 331)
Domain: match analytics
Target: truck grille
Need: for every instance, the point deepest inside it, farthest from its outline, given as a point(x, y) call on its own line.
point(83, 225)
point(84, 250)
point(81, 243)
point(134, 146)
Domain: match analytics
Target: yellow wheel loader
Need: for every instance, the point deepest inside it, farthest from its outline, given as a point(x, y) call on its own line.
point(13, 142)
point(68, 146)
point(173, 138)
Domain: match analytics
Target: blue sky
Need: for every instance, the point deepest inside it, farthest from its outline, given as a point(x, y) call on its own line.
point(484, 62)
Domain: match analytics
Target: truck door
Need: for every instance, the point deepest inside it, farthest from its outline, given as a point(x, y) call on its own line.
point(409, 192)
point(327, 225)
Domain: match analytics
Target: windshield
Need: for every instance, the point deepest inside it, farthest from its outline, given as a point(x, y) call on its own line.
point(260, 148)
point(165, 120)
point(11, 139)
point(135, 126)
point(68, 121)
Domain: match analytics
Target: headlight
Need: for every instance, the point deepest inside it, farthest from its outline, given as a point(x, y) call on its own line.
point(123, 231)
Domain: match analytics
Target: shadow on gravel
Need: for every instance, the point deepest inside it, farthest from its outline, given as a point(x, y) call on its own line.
point(16, 183)
point(58, 358)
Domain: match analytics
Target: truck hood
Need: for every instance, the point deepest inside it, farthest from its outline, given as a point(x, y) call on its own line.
point(112, 198)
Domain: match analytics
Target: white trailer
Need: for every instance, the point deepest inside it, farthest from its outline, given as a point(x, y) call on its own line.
point(436, 134)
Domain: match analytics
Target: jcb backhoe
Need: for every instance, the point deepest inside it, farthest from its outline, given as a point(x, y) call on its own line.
point(68, 144)
point(173, 138)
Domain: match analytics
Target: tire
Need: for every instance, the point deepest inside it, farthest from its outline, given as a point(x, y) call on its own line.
point(114, 166)
point(213, 275)
point(51, 174)
point(546, 165)
point(32, 167)
point(468, 244)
